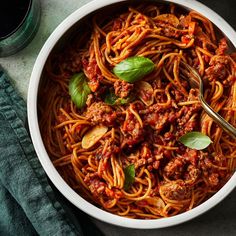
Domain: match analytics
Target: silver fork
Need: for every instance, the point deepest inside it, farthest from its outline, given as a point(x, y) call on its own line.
point(195, 81)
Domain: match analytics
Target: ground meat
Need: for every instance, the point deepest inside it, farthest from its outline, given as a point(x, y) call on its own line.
point(186, 39)
point(96, 186)
point(90, 100)
point(174, 169)
point(184, 124)
point(213, 179)
point(132, 130)
point(193, 95)
point(168, 136)
point(162, 120)
point(93, 73)
point(140, 162)
point(178, 96)
point(192, 174)
point(223, 47)
point(187, 113)
point(113, 193)
point(192, 156)
point(217, 69)
point(168, 30)
point(101, 113)
point(111, 149)
point(185, 20)
point(219, 59)
point(176, 190)
point(147, 158)
point(184, 167)
point(122, 88)
point(145, 152)
point(157, 118)
point(208, 165)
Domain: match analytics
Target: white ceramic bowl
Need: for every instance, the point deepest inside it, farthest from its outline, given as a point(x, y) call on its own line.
point(52, 173)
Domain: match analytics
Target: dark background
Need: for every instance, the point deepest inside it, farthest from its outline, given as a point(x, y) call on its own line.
point(225, 8)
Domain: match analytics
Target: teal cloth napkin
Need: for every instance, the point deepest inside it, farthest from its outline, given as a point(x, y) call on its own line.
point(28, 203)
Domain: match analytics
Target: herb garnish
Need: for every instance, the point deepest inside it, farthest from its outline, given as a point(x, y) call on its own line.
point(133, 68)
point(79, 89)
point(195, 140)
point(129, 172)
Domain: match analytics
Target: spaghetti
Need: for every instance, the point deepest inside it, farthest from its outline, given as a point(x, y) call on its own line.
point(143, 133)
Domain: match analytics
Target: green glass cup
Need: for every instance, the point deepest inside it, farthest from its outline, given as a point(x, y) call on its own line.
point(25, 29)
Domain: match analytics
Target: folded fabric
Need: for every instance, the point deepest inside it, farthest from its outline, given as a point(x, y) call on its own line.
point(28, 204)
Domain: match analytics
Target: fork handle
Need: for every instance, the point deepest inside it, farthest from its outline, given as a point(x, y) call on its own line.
point(218, 118)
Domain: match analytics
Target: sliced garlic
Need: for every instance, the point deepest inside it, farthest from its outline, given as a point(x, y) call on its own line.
point(168, 18)
point(93, 136)
point(145, 92)
point(157, 202)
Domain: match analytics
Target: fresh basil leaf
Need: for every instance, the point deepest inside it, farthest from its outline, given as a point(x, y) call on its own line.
point(79, 89)
point(195, 140)
point(129, 172)
point(133, 68)
point(124, 101)
point(112, 99)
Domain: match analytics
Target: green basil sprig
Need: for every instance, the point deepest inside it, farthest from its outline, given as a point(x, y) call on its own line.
point(129, 172)
point(112, 99)
point(195, 140)
point(133, 68)
point(79, 89)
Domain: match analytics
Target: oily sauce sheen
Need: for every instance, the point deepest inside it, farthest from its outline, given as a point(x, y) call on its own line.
point(125, 156)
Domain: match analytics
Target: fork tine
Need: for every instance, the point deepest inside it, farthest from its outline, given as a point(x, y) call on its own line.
point(188, 73)
point(195, 80)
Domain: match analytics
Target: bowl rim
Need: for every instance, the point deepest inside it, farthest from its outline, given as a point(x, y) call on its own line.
point(51, 171)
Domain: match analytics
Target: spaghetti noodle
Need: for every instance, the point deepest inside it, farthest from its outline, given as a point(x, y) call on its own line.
point(143, 133)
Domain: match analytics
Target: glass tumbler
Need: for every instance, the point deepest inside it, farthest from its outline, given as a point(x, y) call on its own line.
point(19, 21)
